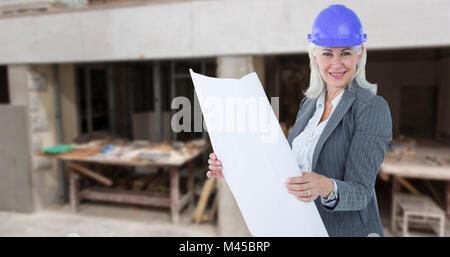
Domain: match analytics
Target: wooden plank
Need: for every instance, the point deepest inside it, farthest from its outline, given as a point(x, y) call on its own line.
point(415, 167)
point(395, 189)
point(383, 176)
point(201, 205)
point(74, 196)
point(123, 196)
point(174, 194)
point(210, 216)
point(190, 181)
point(91, 174)
point(185, 199)
point(408, 185)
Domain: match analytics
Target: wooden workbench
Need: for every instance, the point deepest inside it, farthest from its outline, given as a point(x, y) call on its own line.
point(176, 202)
point(418, 166)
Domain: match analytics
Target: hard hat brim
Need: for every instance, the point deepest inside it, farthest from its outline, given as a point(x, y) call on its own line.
point(336, 42)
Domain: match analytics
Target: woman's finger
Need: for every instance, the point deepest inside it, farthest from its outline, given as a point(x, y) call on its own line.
point(298, 187)
point(295, 193)
point(213, 156)
point(302, 194)
point(306, 199)
point(214, 174)
point(309, 196)
point(215, 168)
point(214, 162)
point(298, 193)
point(299, 179)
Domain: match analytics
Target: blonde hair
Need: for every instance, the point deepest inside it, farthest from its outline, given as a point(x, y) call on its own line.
point(316, 83)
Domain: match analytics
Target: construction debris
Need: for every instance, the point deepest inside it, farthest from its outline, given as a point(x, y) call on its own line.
point(40, 6)
point(105, 147)
point(402, 146)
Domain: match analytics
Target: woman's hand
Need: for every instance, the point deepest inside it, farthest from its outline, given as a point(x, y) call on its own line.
point(309, 186)
point(215, 166)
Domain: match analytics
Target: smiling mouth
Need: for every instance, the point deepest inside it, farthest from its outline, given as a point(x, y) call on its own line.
point(337, 75)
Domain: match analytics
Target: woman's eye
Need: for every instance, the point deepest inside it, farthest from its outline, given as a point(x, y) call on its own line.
point(326, 54)
point(346, 54)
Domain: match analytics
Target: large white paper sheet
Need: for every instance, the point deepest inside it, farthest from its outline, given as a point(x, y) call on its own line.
point(255, 155)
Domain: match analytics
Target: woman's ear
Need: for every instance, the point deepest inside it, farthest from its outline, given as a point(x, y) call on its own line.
point(314, 58)
point(360, 56)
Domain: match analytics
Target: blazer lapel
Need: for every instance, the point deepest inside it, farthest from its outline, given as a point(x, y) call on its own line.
point(342, 108)
point(302, 120)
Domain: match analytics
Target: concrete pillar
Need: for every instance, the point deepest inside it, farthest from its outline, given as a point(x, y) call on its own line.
point(258, 64)
point(230, 220)
point(17, 82)
point(32, 87)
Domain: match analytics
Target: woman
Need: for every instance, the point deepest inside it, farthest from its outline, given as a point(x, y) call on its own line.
point(342, 129)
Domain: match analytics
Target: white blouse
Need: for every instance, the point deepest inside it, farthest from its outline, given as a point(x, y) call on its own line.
point(304, 144)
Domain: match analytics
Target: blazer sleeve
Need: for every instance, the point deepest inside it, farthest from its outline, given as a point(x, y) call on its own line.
point(373, 132)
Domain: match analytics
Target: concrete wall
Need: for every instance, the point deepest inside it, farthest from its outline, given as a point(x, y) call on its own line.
point(15, 183)
point(175, 29)
point(17, 83)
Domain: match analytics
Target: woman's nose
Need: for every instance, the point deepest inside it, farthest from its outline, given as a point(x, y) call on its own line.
point(336, 62)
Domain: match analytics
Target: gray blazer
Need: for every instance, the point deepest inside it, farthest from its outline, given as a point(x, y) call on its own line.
point(350, 150)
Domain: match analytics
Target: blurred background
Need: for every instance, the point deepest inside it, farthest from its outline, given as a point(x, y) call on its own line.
point(86, 147)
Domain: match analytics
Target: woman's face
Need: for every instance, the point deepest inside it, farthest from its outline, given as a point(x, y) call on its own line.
point(337, 65)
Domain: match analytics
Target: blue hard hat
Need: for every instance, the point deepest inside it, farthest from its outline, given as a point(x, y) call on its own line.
point(337, 25)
